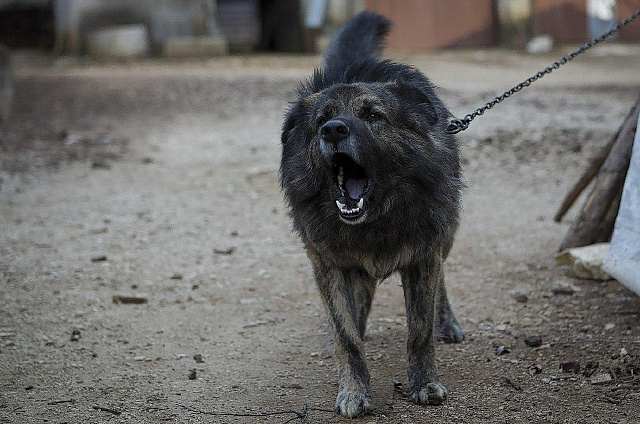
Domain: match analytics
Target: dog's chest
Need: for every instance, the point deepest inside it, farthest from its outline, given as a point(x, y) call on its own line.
point(380, 265)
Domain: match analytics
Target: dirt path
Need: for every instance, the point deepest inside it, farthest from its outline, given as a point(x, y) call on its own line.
point(176, 187)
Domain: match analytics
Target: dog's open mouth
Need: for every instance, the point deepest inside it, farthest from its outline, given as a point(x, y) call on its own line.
point(352, 189)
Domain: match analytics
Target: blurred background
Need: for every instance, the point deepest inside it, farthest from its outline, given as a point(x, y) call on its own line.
point(196, 28)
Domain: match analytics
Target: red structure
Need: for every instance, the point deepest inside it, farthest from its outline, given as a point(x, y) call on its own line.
point(436, 24)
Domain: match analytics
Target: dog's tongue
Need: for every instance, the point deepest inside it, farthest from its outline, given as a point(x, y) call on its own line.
point(355, 188)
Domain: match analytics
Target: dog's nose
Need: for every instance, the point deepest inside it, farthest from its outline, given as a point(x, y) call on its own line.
point(334, 131)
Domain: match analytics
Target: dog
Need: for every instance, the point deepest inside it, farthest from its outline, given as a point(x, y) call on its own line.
point(373, 182)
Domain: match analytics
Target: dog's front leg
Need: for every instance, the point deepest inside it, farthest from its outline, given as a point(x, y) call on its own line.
point(420, 283)
point(336, 288)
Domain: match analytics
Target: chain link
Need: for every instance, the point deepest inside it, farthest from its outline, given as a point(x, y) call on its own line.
point(457, 125)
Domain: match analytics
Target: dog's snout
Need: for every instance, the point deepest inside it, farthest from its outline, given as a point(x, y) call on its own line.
point(334, 131)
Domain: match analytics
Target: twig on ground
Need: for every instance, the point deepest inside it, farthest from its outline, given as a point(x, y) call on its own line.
point(107, 409)
point(596, 341)
point(625, 387)
point(56, 402)
point(298, 414)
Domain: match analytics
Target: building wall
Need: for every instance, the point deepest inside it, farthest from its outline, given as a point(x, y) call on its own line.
point(566, 20)
point(435, 24)
point(632, 31)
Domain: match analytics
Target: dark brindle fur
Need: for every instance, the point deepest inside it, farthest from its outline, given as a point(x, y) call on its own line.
point(373, 181)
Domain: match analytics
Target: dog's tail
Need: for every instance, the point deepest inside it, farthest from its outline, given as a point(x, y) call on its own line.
point(359, 39)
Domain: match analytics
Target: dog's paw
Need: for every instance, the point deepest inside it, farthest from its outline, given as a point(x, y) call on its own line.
point(353, 404)
point(449, 331)
point(432, 393)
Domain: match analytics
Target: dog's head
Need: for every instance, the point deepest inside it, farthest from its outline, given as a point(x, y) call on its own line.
point(358, 151)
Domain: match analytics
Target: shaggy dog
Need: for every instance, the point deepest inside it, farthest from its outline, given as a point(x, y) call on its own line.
point(373, 183)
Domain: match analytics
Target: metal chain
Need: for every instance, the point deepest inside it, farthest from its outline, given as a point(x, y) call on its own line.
point(456, 125)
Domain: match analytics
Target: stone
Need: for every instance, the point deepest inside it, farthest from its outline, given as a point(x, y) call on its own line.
point(601, 379)
point(586, 261)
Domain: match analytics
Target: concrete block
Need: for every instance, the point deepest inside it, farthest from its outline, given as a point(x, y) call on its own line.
point(119, 42)
point(586, 261)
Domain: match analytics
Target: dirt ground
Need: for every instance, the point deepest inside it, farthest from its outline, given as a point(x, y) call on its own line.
point(160, 180)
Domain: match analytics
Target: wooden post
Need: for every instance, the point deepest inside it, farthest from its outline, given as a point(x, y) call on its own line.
point(595, 222)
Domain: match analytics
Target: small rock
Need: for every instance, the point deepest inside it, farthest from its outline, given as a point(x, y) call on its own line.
point(180, 356)
point(533, 341)
point(100, 164)
point(193, 374)
point(502, 350)
point(520, 297)
point(601, 379)
point(176, 276)
point(570, 367)
point(534, 369)
point(99, 258)
point(623, 352)
point(198, 358)
point(513, 384)
point(590, 368)
point(135, 299)
point(610, 326)
point(139, 358)
point(292, 386)
point(397, 386)
point(75, 335)
point(586, 261)
point(574, 146)
point(563, 290)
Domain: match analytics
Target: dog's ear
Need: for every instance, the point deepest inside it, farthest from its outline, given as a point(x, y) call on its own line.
point(417, 99)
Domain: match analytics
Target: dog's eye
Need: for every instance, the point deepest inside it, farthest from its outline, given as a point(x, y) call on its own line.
point(321, 121)
point(373, 116)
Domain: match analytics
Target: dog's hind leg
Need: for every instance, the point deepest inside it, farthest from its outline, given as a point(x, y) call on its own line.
point(448, 329)
point(420, 284)
point(339, 297)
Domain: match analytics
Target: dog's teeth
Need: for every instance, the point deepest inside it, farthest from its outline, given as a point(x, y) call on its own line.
point(341, 205)
point(360, 203)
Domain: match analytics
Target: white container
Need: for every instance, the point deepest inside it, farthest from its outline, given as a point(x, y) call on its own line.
point(119, 42)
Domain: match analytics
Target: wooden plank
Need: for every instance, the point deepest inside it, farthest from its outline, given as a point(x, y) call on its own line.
point(435, 24)
point(595, 222)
